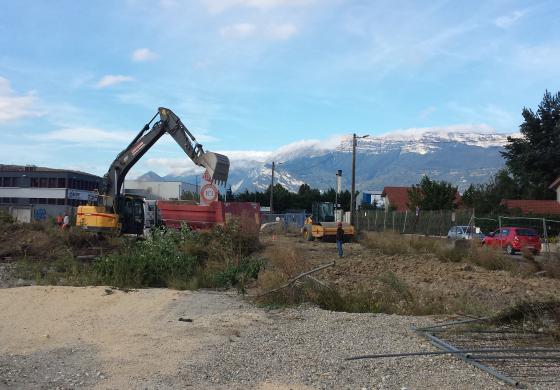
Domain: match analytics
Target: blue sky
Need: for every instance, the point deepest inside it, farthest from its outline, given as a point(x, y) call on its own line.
point(78, 79)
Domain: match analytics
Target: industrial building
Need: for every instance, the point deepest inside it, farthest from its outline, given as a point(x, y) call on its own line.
point(158, 190)
point(31, 193)
point(371, 197)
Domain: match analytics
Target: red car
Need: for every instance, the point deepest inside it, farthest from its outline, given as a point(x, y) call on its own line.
point(513, 239)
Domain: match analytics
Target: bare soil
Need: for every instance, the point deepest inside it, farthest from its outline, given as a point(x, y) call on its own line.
point(360, 268)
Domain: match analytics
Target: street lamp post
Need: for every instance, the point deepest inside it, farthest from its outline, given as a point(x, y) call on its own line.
point(353, 190)
point(272, 187)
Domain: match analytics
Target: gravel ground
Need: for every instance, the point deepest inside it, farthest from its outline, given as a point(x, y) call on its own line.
point(62, 368)
point(307, 346)
point(67, 337)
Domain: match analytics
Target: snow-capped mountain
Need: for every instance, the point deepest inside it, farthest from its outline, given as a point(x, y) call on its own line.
point(399, 158)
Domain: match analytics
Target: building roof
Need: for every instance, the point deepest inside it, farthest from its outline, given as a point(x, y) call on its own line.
point(541, 207)
point(554, 184)
point(398, 197)
point(34, 168)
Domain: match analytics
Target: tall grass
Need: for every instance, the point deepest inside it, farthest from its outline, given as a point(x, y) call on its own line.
point(444, 250)
point(181, 259)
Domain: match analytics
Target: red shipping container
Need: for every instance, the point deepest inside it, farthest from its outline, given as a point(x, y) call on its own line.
point(173, 213)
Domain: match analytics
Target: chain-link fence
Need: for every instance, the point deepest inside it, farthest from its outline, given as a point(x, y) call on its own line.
point(431, 223)
point(291, 222)
point(438, 223)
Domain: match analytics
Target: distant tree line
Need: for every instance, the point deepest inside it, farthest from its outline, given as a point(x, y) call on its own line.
point(285, 200)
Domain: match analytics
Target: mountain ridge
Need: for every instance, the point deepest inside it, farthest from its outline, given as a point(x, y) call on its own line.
point(399, 159)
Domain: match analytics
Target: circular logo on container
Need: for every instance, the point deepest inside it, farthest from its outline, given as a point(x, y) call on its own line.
point(209, 193)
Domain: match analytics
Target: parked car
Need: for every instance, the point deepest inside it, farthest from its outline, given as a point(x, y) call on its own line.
point(465, 233)
point(514, 239)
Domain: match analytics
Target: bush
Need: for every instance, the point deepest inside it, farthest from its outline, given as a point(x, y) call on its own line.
point(6, 218)
point(152, 263)
point(182, 259)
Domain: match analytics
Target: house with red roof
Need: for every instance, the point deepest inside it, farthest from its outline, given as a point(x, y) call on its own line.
point(530, 206)
point(539, 207)
point(395, 198)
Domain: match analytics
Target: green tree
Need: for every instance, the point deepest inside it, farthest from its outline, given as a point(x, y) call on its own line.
point(533, 159)
point(487, 198)
point(432, 195)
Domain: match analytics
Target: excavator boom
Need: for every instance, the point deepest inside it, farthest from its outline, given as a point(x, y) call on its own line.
point(216, 164)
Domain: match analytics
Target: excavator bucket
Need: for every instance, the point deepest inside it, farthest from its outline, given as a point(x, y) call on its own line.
point(217, 166)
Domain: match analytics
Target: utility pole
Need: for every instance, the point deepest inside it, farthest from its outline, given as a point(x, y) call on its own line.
point(353, 187)
point(353, 193)
point(272, 188)
point(338, 187)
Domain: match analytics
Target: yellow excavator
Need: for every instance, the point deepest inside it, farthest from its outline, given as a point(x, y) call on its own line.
point(322, 225)
point(114, 211)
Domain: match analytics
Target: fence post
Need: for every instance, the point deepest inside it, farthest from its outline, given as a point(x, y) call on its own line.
point(394, 220)
point(405, 216)
point(427, 232)
point(545, 232)
point(375, 223)
point(500, 233)
point(384, 220)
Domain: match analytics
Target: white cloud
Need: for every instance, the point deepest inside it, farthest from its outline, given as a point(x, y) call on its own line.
point(174, 166)
point(222, 5)
point(81, 135)
point(109, 80)
point(13, 107)
point(506, 21)
point(238, 30)
point(143, 54)
point(282, 31)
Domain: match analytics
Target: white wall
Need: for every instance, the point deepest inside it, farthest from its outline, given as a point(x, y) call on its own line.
point(33, 192)
point(159, 189)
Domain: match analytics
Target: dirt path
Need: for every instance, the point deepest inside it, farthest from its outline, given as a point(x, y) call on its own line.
point(132, 337)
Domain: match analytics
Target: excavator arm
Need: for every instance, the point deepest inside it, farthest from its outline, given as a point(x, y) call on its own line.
point(216, 164)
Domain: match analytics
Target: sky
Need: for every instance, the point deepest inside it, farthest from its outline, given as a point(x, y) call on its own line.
point(78, 79)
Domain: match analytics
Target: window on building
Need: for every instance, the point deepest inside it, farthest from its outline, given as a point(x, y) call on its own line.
point(34, 182)
point(6, 182)
point(52, 182)
point(43, 183)
point(60, 202)
point(61, 182)
point(42, 201)
point(33, 200)
point(52, 201)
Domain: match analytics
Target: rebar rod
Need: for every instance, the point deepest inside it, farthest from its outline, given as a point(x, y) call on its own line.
point(443, 345)
point(463, 351)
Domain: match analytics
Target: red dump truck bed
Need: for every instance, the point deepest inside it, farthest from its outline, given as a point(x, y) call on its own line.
point(173, 213)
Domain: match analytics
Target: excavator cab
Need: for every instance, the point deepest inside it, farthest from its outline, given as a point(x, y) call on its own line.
point(131, 214)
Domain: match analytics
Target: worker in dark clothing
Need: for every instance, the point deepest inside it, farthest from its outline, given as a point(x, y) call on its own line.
point(339, 238)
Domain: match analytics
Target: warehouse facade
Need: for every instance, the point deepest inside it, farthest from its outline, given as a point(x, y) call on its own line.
point(33, 193)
